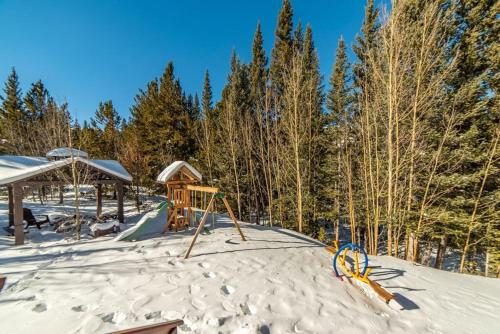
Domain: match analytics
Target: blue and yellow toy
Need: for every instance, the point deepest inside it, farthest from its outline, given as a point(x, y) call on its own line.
point(350, 262)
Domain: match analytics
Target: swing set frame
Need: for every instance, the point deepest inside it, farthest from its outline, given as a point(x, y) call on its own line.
point(215, 195)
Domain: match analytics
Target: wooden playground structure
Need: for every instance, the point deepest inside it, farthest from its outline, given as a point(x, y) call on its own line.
point(184, 196)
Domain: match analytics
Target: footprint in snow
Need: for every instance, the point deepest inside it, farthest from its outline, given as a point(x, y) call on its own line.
point(185, 328)
point(226, 304)
point(204, 265)
point(248, 309)
point(227, 289)
point(107, 317)
point(198, 304)
point(153, 315)
point(193, 289)
point(217, 322)
point(209, 275)
point(79, 308)
point(39, 308)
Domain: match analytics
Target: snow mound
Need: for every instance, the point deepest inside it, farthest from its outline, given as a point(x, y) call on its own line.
point(104, 226)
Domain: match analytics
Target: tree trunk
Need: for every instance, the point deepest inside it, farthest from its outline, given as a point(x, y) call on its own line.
point(487, 262)
point(441, 252)
point(61, 194)
point(410, 252)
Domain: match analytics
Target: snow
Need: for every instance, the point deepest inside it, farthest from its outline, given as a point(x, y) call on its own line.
point(173, 168)
point(65, 152)
point(104, 226)
point(112, 167)
point(276, 282)
point(15, 168)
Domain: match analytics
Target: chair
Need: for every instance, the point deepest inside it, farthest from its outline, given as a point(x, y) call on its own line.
point(30, 220)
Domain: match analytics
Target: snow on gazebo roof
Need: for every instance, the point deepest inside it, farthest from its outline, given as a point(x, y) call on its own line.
point(174, 168)
point(17, 168)
point(66, 152)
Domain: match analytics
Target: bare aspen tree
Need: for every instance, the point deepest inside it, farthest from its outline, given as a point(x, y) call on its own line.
point(294, 129)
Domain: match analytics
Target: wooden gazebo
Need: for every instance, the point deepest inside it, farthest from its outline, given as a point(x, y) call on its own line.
point(17, 172)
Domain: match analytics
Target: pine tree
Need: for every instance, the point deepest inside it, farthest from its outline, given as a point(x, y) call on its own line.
point(366, 40)
point(298, 39)
point(89, 140)
point(206, 138)
point(338, 102)
point(232, 109)
point(472, 86)
point(13, 118)
point(259, 129)
point(315, 122)
point(162, 123)
point(258, 72)
point(107, 122)
point(338, 97)
point(283, 46)
point(36, 101)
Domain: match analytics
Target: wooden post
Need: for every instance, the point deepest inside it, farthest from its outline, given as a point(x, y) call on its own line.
point(176, 206)
point(11, 206)
point(174, 213)
point(231, 214)
point(119, 193)
point(18, 214)
point(188, 205)
point(169, 194)
point(99, 200)
point(61, 194)
point(200, 227)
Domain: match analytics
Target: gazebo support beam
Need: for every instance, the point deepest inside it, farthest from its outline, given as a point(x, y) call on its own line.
point(119, 193)
point(99, 199)
point(11, 205)
point(61, 194)
point(18, 214)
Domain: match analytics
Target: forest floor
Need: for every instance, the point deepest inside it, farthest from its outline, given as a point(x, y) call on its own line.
point(278, 281)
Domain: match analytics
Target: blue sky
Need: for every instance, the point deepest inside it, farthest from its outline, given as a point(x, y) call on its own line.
point(90, 51)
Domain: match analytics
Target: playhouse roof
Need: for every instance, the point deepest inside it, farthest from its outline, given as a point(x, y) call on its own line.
point(178, 166)
point(17, 168)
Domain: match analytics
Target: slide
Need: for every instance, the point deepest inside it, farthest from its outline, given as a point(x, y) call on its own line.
point(150, 224)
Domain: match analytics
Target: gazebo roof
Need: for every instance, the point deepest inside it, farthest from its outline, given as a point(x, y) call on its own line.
point(179, 166)
point(66, 152)
point(19, 168)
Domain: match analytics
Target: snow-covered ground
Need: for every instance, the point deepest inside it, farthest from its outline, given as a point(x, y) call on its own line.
point(276, 282)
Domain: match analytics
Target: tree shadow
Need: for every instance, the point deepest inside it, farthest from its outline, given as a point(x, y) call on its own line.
point(406, 303)
point(248, 249)
point(384, 274)
point(13, 300)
